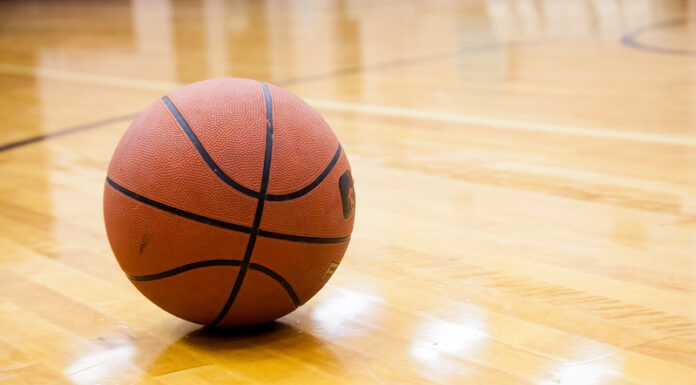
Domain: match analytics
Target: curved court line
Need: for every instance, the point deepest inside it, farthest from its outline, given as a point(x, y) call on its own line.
point(631, 39)
point(305, 190)
point(204, 154)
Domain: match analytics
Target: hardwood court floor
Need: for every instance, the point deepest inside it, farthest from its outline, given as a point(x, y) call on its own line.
point(525, 174)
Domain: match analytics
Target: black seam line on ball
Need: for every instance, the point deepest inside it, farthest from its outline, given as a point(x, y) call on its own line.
point(259, 205)
point(184, 268)
point(204, 154)
point(300, 238)
point(217, 223)
point(305, 190)
point(219, 262)
point(175, 211)
point(279, 279)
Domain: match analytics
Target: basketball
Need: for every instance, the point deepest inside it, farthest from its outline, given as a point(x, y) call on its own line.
point(229, 202)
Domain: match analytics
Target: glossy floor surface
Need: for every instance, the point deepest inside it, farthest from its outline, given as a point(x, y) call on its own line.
point(525, 174)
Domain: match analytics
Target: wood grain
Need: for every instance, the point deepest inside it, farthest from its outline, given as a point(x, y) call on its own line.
point(525, 175)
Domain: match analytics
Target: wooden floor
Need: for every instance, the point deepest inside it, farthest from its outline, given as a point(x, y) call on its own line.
point(525, 174)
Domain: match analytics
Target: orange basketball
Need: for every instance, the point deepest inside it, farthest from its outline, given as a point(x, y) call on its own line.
point(229, 202)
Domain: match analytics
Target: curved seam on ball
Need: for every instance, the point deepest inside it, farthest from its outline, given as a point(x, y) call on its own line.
point(221, 224)
point(219, 262)
point(178, 212)
point(302, 239)
point(268, 151)
point(185, 268)
point(285, 284)
point(307, 189)
point(203, 153)
point(231, 182)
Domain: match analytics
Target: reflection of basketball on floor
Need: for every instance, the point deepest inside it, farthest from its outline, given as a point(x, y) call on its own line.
point(227, 355)
point(229, 202)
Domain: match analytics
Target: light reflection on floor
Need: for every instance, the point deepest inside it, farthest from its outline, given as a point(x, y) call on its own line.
point(585, 373)
point(437, 345)
point(337, 313)
point(101, 366)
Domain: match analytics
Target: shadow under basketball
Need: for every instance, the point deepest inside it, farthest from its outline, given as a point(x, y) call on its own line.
point(250, 352)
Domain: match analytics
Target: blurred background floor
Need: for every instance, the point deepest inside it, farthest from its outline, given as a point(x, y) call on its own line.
point(525, 174)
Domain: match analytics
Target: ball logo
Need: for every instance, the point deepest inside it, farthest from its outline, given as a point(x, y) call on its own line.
point(329, 272)
point(345, 185)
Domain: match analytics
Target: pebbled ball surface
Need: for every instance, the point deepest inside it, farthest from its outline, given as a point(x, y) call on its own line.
point(221, 216)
